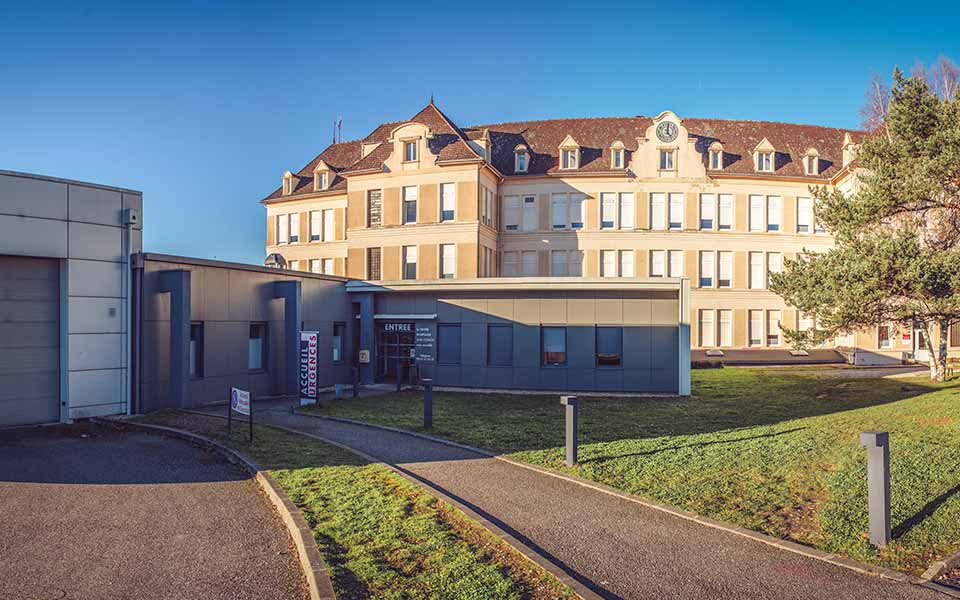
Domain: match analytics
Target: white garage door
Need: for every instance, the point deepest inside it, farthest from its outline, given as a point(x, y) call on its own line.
point(29, 341)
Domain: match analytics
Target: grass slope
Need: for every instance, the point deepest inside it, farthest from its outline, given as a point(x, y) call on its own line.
point(381, 536)
point(776, 451)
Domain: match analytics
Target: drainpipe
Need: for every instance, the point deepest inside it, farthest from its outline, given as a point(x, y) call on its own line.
point(135, 345)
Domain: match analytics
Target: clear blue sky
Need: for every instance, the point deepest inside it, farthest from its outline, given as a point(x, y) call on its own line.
point(203, 106)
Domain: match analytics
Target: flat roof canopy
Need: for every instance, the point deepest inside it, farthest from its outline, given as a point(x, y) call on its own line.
point(522, 284)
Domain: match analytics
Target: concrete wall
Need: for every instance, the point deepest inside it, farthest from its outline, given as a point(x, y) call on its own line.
point(226, 298)
point(79, 224)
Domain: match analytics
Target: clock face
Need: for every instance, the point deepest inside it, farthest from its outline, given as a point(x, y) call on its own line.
point(667, 131)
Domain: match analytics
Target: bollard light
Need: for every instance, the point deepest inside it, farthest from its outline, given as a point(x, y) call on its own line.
point(877, 444)
point(570, 428)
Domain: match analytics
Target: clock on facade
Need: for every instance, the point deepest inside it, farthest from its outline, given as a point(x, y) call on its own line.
point(667, 131)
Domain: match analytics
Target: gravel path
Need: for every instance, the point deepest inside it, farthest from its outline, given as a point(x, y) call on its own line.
point(619, 548)
point(90, 512)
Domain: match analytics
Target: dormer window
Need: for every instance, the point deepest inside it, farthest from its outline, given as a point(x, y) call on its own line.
point(715, 154)
point(764, 155)
point(410, 151)
point(289, 183)
point(617, 156)
point(321, 180)
point(811, 162)
point(765, 162)
point(569, 159)
point(668, 160)
point(520, 159)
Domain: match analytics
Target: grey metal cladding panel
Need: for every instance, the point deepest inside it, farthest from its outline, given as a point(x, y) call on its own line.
point(196, 294)
point(241, 296)
point(447, 375)
point(396, 304)
point(474, 310)
point(262, 384)
point(39, 384)
point(29, 335)
point(552, 378)
point(664, 380)
point(29, 290)
point(96, 242)
point(526, 378)
point(609, 380)
point(29, 312)
point(94, 278)
point(448, 312)
point(580, 344)
point(29, 409)
point(638, 347)
point(30, 360)
point(29, 236)
point(526, 310)
point(609, 311)
point(322, 300)
point(425, 304)
point(637, 380)
point(156, 351)
point(498, 377)
point(526, 346)
point(28, 268)
point(94, 205)
point(472, 376)
point(637, 311)
point(553, 310)
point(29, 197)
point(215, 294)
point(584, 380)
point(664, 311)
point(225, 348)
point(155, 396)
point(473, 344)
point(666, 347)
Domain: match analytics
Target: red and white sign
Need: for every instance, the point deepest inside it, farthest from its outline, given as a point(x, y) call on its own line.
point(309, 351)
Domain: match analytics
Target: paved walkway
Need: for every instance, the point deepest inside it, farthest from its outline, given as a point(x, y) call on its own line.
point(89, 512)
point(619, 548)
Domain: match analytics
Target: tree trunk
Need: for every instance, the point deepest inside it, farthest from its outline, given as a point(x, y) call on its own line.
point(938, 355)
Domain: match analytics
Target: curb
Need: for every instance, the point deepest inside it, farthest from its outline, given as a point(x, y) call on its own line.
point(319, 584)
point(840, 561)
point(941, 566)
point(566, 578)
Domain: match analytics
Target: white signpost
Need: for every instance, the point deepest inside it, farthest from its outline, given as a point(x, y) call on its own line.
point(239, 402)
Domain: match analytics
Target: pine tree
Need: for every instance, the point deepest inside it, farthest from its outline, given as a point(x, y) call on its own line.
point(897, 253)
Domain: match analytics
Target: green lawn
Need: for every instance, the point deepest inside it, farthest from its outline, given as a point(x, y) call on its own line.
point(381, 536)
point(773, 450)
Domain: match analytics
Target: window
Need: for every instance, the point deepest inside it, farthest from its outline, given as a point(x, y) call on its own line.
point(707, 333)
point(500, 345)
point(676, 263)
point(554, 346)
point(315, 265)
point(955, 334)
point(196, 350)
point(666, 160)
point(315, 229)
point(511, 217)
point(657, 263)
point(774, 264)
point(409, 262)
point(374, 208)
point(627, 220)
point(327, 266)
point(756, 214)
point(448, 201)
point(608, 263)
point(706, 269)
point(257, 347)
point(569, 159)
point(559, 207)
point(725, 216)
point(294, 228)
point(756, 328)
point(373, 263)
point(626, 263)
point(448, 261)
point(530, 213)
point(283, 229)
point(608, 210)
point(617, 158)
point(576, 211)
point(528, 259)
point(757, 276)
point(328, 225)
point(726, 327)
point(520, 164)
point(812, 165)
point(658, 210)
point(575, 262)
point(765, 161)
point(676, 211)
point(804, 215)
point(322, 180)
point(774, 213)
point(410, 151)
point(725, 269)
point(707, 204)
point(716, 160)
point(773, 327)
point(510, 264)
point(559, 267)
point(410, 204)
point(448, 343)
point(609, 346)
point(487, 206)
point(884, 336)
point(337, 342)
point(294, 265)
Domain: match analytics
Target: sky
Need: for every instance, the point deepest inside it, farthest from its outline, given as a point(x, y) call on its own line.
point(202, 106)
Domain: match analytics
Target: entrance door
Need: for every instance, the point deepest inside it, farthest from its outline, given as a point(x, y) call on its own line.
point(920, 352)
point(395, 346)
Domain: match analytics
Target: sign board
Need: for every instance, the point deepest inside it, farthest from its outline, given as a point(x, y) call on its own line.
point(240, 401)
point(364, 357)
point(424, 343)
point(396, 327)
point(309, 350)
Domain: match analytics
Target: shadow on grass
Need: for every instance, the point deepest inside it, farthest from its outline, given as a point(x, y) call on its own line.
point(928, 509)
point(685, 446)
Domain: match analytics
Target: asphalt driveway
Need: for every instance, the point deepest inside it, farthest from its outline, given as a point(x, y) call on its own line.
point(92, 512)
